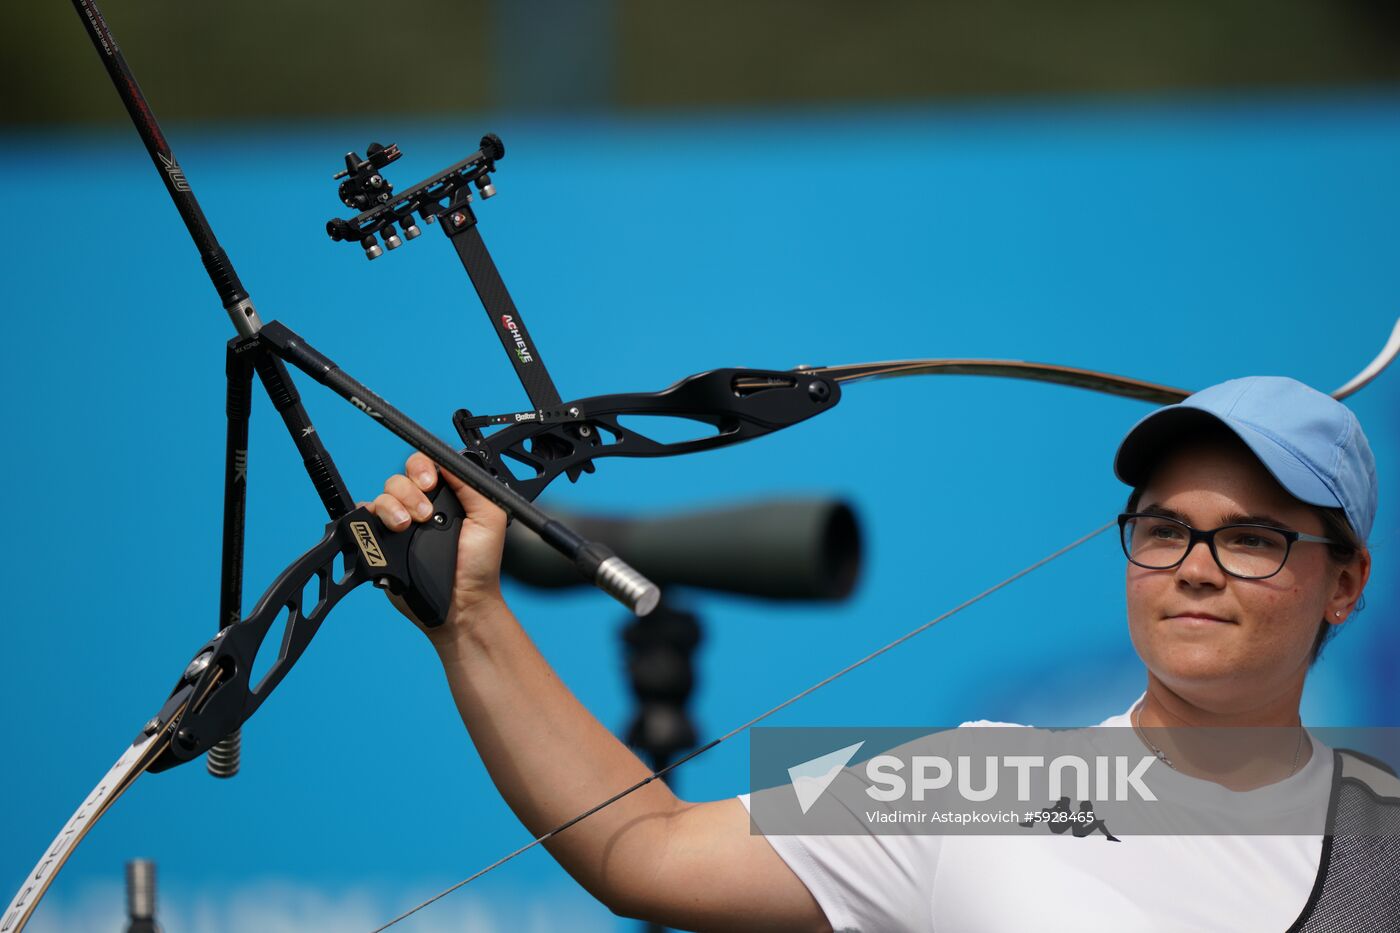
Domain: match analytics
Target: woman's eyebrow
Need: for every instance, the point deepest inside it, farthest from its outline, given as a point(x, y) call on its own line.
point(1232, 518)
point(1258, 518)
point(1162, 510)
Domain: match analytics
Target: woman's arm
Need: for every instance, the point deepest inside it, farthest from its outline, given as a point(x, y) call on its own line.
point(650, 855)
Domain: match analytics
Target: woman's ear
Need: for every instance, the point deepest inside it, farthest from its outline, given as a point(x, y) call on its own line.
point(1350, 584)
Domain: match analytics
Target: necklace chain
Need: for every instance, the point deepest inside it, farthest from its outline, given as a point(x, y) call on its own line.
point(1136, 720)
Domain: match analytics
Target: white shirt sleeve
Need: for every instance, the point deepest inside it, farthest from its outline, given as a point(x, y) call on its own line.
point(863, 882)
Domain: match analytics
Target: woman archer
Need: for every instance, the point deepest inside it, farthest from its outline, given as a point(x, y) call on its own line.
point(1245, 537)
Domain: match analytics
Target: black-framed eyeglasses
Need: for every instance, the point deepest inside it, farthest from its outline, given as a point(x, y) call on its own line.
point(1252, 552)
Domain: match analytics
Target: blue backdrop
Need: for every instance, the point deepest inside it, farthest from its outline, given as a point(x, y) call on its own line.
point(1180, 242)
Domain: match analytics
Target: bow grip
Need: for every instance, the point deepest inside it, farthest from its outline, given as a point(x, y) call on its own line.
point(432, 559)
point(432, 564)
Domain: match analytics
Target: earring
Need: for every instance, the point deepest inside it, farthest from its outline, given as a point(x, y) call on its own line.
point(1338, 613)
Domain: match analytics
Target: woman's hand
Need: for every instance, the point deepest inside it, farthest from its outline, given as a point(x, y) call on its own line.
point(476, 582)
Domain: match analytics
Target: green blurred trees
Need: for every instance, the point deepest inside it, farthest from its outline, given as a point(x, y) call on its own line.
point(204, 59)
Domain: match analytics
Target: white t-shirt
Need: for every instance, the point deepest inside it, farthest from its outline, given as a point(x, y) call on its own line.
point(971, 884)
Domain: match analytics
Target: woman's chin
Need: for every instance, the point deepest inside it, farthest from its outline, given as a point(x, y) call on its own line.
point(1190, 660)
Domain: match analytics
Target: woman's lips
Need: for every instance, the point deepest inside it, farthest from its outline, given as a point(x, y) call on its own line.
point(1198, 618)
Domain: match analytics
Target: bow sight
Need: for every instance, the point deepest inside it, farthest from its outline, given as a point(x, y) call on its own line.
point(533, 447)
point(366, 190)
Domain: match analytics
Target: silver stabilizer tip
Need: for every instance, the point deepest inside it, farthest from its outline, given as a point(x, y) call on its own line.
point(627, 586)
point(392, 241)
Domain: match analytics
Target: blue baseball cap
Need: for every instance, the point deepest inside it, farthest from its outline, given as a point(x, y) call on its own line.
point(1311, 443)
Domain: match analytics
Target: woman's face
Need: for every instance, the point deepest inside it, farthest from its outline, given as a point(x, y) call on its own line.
point(1217, 640)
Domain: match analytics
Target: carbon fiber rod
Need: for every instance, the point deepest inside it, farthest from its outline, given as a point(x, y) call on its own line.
point(329, 485)
point(216, 262)
point(595, 561)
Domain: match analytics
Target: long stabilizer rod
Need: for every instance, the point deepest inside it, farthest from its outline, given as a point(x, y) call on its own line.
point(605, 569)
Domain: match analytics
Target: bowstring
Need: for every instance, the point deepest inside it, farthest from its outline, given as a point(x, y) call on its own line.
point(545, 837)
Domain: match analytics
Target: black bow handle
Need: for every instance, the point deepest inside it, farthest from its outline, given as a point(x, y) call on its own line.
point(417, 563)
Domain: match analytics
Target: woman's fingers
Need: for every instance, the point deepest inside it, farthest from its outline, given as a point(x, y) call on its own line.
point(424, 475)
point(391, 512)
point(422, 470)
point(477, 506)
point(410, 496)
point(406, 496)
point(403, 502)
point(406, 500)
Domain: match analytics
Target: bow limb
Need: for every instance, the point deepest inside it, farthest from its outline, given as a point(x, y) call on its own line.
point(1012, 369)
point(153, 742)
point(1373, 368)
point(1070, 375)
point(131, 765)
